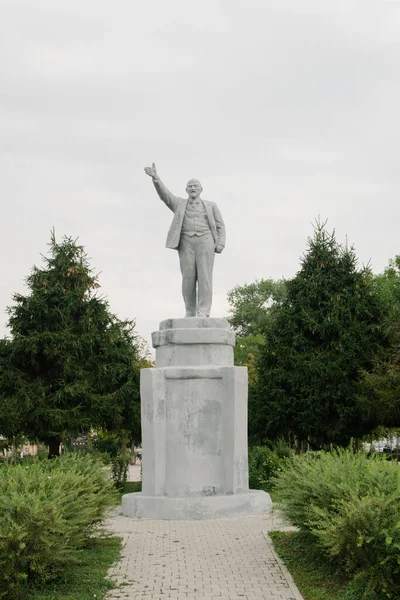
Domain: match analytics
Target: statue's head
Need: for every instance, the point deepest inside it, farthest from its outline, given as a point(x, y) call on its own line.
point(193, 188)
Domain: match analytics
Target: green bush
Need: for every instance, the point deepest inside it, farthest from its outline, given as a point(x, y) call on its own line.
point(119, 469)
point(349, 504)
point(264, 465)
point(90, 450)
point(282, 448)
point(48, 509)
point(106, 442)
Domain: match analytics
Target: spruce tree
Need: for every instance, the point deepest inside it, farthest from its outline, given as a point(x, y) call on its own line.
point(70, 364)
point(380, 390)
point(326, 330)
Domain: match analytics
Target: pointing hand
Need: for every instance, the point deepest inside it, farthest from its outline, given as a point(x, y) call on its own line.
point(151, 171)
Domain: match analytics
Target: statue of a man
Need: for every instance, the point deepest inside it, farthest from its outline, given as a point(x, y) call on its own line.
point(197, 232)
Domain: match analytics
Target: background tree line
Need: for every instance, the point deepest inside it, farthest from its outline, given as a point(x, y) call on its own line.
point(323, 348)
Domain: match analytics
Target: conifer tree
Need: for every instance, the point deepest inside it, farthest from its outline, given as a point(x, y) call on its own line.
point(326, 330)
point(70, 364)
point(380, 390)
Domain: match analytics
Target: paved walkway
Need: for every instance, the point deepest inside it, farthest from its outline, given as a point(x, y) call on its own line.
point(224, 559)
point(134, 472)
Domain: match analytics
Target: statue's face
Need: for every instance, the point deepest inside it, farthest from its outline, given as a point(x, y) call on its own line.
point(193, 189)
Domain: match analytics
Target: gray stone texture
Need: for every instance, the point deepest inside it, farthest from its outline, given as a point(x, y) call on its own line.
point(194, 427)
point(194, 342)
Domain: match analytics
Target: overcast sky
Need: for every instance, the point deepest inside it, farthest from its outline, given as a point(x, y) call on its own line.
point(283, 109)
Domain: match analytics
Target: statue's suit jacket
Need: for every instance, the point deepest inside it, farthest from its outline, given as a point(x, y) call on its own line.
point(178, 206)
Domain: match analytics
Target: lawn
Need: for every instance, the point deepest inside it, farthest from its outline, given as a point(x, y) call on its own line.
point(316, 579)
point(87, 580)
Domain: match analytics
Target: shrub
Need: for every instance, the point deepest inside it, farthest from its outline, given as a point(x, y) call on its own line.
point(90, 450)
point(106, 442)
point(282, 448)
point(119, 468)
point(48, 509)
point(349, 504)
point(264, 464)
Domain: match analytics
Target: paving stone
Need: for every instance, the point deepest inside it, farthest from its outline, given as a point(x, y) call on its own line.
point(224, 559)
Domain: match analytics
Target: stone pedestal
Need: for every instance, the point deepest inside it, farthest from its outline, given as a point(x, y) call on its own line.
point(194, 427)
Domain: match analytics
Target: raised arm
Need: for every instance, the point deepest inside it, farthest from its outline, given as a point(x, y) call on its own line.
point(166, 196)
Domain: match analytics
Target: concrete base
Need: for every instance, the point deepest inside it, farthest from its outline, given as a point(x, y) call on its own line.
point(254, 502)
point(194, 427)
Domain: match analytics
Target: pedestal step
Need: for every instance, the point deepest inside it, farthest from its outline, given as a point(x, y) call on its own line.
point(193, 342)
point(137, 505)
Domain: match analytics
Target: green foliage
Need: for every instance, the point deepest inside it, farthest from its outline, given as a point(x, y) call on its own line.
point(92, 452)
point(388, 284)
point(252, 308)
point(325, 330)
point(131, 487)
point(120, 468)
point(252, 305)
point(70, 364)
point(105, 442)
point(380, 390)
point(264, 465)
point(84, 581)
point(48, 509)
point(13, 399)
point(349, 505)
point(247, 348)
point(316, 578)
point(281, 447)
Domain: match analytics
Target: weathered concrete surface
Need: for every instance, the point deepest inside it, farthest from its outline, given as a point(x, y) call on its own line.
point(194, 323)
point(194, 342)
point(198, 507)
point(223, 559)
point(194, 441)
point(194, 427)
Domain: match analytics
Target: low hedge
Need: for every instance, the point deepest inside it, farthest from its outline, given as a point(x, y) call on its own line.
point(264, 465)
point(48, 509)
point(349, 505)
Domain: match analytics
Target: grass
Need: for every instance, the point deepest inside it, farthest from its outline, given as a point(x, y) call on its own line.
point(86, 581)
point(316, 578)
